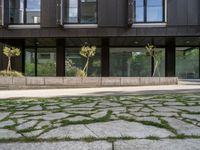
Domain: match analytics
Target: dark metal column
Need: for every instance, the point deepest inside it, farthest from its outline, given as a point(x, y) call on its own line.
point(105, 58)
point(170, 58)
point(60, 57)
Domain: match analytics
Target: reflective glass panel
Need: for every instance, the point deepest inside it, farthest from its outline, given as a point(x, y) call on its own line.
point(33, 11)
point(46, 65)
point(154, 10)
point(75, 62)
point(187, 62)
point(30, 62)
point(130, 62)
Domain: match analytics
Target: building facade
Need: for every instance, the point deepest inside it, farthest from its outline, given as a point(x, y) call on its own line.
point(51, 32)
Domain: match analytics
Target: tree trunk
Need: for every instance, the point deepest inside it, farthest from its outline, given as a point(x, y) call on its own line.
point(9, 64)
point(86, 66)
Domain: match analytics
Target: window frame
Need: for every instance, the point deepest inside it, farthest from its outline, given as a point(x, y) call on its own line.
point(24, 15)
point(145, 13)
point(79, 15)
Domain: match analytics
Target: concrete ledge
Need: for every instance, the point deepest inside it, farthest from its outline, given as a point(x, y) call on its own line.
point(73, 82)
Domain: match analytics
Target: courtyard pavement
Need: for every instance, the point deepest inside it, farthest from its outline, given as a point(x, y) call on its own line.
point(155, 122)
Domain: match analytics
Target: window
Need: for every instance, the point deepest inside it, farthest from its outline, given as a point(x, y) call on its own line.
point(187, 62)
point(24, 11)
point(80, 11)
point(1, 12)
point(149, 11)
point(75, 62)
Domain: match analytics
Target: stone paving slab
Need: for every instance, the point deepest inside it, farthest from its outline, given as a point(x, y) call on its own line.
point(126, 129)
point(99, 145)
point(73, 131)
point(189, 144)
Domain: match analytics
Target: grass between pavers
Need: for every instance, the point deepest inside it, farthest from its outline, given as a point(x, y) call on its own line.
point(43, 102)
point(91, 139)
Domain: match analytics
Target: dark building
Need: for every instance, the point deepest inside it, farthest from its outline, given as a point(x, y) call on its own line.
point(51, 32)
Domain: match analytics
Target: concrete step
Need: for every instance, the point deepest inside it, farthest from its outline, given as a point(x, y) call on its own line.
point(189, 81)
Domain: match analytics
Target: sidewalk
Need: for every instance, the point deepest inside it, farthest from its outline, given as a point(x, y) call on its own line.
point(100, 91)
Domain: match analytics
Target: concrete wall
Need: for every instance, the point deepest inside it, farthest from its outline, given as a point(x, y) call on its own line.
point(72, 82)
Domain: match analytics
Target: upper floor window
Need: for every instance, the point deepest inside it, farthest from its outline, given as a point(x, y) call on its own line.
point(149, 11)
point(1, 12)
point(80, 11)
point(24, 11)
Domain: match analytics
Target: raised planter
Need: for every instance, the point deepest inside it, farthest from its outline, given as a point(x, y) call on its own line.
point(67, 82)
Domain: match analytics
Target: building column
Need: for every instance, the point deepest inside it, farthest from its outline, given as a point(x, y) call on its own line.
point(199, 62)
point(170, 58)
point(60, 57)
point(105, 58)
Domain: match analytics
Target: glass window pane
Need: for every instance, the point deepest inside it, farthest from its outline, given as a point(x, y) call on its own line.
point(74, 62)
point(187, 62)
point(30, 62)
point(160, 65)
point(154, 10)
point(129, 62)
point(139, 10)
point(71, 11)
point(88, 11)
point(16, 11)
point(1, 13)
point(46, 65)
point(33, 11)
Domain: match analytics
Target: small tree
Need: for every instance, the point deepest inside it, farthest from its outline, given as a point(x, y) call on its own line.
point(11, 52)
point(156, 57)
point(87, 52)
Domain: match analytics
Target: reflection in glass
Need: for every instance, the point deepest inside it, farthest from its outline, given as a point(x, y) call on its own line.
point(1, 12)
point(187, 62)
point(46, 65)
point(130, 62)
point(16, 11)
point(33, 11)
point(30, 62)
point(139, 16)
point(80, 11)
point(88, 11)
point(154, 10)
point(24, 11)
point(74, 61)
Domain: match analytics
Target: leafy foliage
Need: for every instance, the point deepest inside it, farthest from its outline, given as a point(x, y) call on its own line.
point(87, 52)
point(11, 52)
point(6, 73)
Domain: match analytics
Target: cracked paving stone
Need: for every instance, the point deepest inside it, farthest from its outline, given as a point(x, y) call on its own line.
point(78, 118)
point(86, 105)
point(35, 108)
point(188, 108)
point(72, 131)
point(174, 104)
point(165, 109)
point(165, 114)
point(122, 128)
point(4, 115)
point(167, 144)
point(151, 119)
point(53, 107)
point(42, 124)
point(75, 145)
point(146, 110)
point(140, 114)
point(33, 133)
point(134, 109)
point(26, 125)
point(183, 127)
point(194, 116)
point(6, 123)
point(99, 114)
point(6, 134)
point(112, 104)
